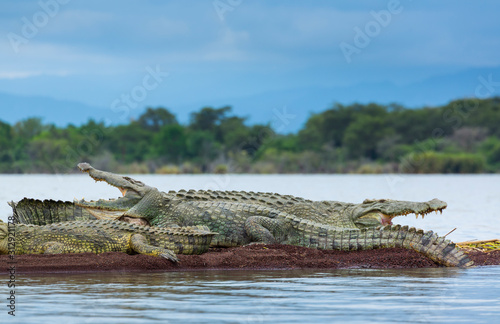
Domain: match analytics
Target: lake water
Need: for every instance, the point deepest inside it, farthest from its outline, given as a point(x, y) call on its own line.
point(357, 295)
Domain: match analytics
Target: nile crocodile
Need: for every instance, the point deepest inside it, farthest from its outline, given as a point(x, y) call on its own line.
point(148, 204)
point(286, 231)
point(246, 217)
point(99, 236)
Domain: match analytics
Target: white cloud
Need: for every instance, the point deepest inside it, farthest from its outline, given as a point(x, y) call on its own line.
point(29, 74)
point(18, 74)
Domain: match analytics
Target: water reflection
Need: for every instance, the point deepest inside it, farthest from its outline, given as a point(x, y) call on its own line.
point(413, 295)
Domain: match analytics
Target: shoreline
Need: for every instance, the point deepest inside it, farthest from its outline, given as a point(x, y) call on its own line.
point(251, 257)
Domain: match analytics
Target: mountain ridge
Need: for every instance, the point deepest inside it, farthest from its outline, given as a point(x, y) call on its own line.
point(286, 109)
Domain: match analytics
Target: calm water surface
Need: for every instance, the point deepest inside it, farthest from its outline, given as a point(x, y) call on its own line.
point(359, 295)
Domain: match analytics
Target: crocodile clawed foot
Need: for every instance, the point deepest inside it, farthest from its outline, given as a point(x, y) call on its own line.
point(169, 256)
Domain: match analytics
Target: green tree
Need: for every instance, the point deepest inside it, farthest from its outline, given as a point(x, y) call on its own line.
point(259, 137)
point(232, 133)
point(490, 148)
point(129, 143)
point(6, 146)
point(170, 143)
point(312, 137)
point(363, 135)
point(155, 118)
point(330, 126)
point(208, 118)
point(28, 128)
point(202, 148)
point(46, 153)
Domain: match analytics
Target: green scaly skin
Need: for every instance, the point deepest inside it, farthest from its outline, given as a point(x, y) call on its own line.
point(143, 201)
point(99, 236)
point(241, 224)
point(278, 228)
point(246, 217)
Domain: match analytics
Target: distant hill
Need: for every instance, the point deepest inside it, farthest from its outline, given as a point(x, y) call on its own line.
point(301, 102)
point(267, 106)
point(60, 112)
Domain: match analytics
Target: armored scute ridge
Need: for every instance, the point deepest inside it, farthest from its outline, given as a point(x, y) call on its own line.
point(44, 212)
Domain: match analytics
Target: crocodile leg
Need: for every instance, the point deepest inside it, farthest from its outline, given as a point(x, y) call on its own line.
point(140, 245)
point(257, 229)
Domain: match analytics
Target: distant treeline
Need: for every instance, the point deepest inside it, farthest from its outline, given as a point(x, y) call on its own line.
point(460, 137)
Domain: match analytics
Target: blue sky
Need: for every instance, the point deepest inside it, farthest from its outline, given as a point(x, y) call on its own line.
point(216, 51)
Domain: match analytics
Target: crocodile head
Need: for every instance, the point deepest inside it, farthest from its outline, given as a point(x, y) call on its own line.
point(375, 212)
point(132, 192)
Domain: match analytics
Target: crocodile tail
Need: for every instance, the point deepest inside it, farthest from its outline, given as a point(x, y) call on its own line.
point(427, 243)
point(44, 212)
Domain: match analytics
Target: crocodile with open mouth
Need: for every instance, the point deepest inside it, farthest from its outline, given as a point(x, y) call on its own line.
point(147, 204)
point(247, 217)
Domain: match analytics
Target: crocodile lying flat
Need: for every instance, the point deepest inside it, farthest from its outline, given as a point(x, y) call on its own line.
point(287, 231)
point(99, 236)
point(246, 217)
point(141, 201)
